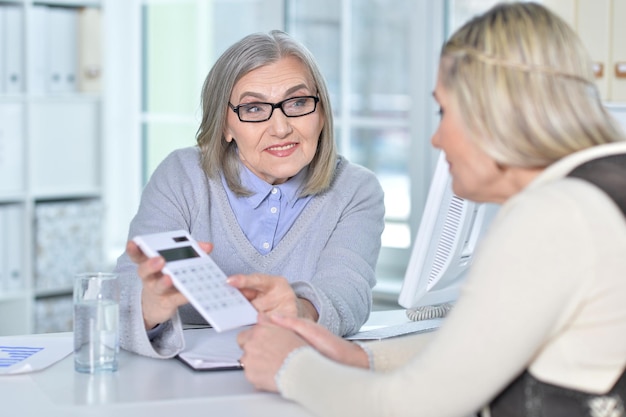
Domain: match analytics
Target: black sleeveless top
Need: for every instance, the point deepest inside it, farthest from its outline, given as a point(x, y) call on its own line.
point(526, 396)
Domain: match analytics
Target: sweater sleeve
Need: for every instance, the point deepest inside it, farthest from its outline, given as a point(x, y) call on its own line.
point(166, 204)
point(340, 287)
point(390, 354)
point(525, 282)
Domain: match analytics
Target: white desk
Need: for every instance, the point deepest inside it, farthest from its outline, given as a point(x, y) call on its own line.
point(145, 387)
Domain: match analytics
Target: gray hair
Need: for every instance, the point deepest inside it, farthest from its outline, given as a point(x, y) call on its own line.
point(251, 52)
point(525, 86)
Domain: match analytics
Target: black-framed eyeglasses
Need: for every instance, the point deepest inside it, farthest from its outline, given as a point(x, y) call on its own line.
point(261, 112)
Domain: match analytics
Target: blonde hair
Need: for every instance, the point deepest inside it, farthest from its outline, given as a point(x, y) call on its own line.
point(251, 52)
point(525, 86)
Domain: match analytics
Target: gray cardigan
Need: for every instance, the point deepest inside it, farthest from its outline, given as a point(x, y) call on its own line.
point(329, 254)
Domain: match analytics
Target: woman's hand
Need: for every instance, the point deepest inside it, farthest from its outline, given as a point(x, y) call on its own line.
point(267, 344)
point(272, 294)
point(265, 347)
point(159, 298)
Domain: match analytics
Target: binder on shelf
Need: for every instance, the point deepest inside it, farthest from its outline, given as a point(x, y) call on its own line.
point(2, 47)
point(11, 147)
point(3, 243)
point(62, 32)
point(13, 47)
point(70, 60)
point(39, 50)
point(89, 50)
point(13, 244)
point(55, 42)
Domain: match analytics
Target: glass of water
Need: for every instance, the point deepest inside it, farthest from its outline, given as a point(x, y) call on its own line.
point(96, 322)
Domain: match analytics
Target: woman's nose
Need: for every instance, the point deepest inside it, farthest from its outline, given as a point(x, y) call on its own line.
point(434, 139)
point(279, 124)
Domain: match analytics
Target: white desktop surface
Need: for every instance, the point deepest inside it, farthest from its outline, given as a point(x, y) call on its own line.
point(141, 387)
point(146, 387)
point(385, 318)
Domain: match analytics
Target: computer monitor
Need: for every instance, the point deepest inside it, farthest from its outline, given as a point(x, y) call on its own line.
point(443, 249)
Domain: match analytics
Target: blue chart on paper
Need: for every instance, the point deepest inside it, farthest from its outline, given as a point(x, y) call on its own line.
point(10, 355)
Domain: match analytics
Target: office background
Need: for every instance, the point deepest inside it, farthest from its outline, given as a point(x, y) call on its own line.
point(83, 127)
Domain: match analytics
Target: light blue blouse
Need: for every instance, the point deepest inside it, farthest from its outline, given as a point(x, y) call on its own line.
point(268, 214)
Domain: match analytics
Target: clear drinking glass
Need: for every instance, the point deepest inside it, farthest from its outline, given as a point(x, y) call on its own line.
point(96, 322)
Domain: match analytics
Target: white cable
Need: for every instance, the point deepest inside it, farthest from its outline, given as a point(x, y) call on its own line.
point(428, 312)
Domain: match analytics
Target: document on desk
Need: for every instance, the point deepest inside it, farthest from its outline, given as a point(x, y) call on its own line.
point(396, 330)
point(208, 350)
point(22, 354)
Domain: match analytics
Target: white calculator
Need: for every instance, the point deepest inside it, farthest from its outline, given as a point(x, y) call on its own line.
point(197, 276)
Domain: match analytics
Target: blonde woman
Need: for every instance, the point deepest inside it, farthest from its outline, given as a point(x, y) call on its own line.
point(540, 326)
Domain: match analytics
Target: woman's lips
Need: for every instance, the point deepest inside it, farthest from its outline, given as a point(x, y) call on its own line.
point(282, 150)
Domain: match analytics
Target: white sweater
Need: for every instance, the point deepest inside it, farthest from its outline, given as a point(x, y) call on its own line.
point(546, 292)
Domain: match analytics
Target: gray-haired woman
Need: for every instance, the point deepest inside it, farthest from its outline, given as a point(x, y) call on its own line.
point(295, 226)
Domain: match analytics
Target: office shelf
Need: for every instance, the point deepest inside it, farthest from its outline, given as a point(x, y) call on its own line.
point(50, 158)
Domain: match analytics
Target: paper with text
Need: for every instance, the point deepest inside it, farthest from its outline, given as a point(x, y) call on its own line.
point(22, 354)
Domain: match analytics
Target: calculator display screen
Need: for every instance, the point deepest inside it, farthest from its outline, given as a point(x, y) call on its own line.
point(176, 254)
